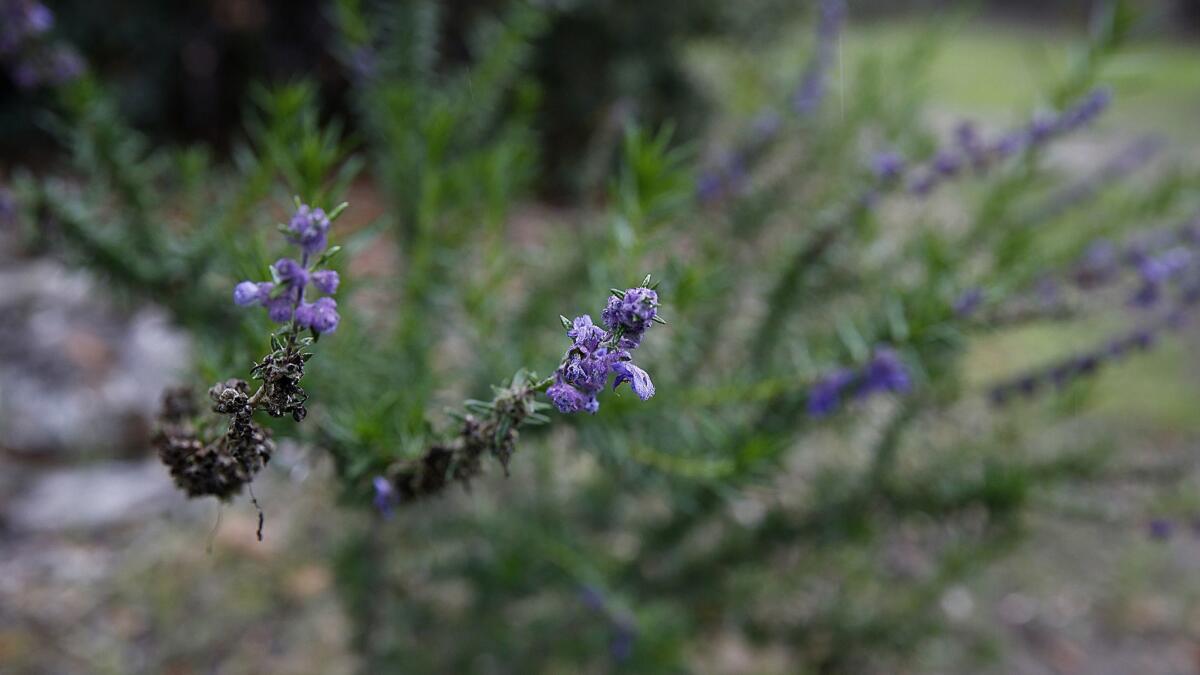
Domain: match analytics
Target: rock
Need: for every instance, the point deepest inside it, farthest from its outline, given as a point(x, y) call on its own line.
point(93, 496)
point(76, 374)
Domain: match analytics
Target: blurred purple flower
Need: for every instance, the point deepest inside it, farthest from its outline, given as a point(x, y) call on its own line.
point(1160, 529)
point(386, 498)
point(326, 281)
point(968, 302)
point(825, 397)
point(887, 166)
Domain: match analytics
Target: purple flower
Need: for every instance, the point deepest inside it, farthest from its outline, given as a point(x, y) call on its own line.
point(968, 302)
point(38, 18)
point(1008, 145)
point(709, 187)
point(592, 598)
point(1098, 265)
point(326, 281)
point(826, 395)
point(385, 496)
point(1158, 270)
point(251, 293)
point(321, 316)
point(568, 399)
point(621, 645)
point(634, 312)
point(885, 372)
point(1042, 127)
point(281, 307)
point(309, 229)
point(586, 335)
point(637, 378)
point(64, 65)
point(1160, 529)
point(8, 208)
point(291, 273)
point(887, 166)
point(947, 164)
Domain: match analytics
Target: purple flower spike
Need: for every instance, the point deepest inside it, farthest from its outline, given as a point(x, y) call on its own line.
point(326, 281)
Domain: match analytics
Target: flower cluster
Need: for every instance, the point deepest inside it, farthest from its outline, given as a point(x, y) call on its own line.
point(970, 151)
point(285, 297)
point(31, 57)
point(596, 353)
point(885, 372)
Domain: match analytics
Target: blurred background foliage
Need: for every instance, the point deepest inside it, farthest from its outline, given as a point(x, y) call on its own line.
point(718, 527)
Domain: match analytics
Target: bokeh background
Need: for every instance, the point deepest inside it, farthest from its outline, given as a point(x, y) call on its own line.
point(105, 568)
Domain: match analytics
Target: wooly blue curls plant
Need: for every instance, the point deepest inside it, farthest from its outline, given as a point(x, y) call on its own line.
point(750, 472)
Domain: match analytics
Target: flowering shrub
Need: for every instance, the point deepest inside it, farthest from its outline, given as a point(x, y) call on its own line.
point(810, 407)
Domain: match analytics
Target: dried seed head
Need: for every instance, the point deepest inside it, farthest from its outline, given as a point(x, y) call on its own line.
point(221, 467)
